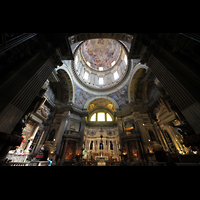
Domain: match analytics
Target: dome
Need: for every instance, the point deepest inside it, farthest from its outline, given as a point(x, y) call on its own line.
point(100, 65)
point(100, 54)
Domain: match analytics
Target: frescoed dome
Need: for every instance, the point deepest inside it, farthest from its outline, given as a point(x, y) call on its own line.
point(101, 54)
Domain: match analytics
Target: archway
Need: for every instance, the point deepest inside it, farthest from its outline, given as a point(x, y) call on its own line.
point(99, 97)
point(66, 83)
point(137, 71)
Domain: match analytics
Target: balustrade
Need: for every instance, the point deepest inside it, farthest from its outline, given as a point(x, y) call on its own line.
point(35, 163)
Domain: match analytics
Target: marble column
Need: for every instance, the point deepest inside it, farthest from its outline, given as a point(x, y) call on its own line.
point(19, 91)
point(63, 124)
point(177, 86)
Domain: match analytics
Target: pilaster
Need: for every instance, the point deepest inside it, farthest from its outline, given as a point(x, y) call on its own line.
point(174, 84)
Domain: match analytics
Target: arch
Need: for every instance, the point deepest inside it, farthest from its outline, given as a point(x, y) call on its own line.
point(98, 97)
point(136, 71)
point(70, 81)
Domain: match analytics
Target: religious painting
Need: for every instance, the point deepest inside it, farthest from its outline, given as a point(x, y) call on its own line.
point(73, 126)
point(70, 151)
point(101, 52)
point(81, 96)
point(121, 96)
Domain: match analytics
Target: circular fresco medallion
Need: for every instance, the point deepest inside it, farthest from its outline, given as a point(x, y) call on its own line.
point(101, 54)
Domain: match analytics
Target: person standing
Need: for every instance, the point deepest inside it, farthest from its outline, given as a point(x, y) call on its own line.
point(49, 161)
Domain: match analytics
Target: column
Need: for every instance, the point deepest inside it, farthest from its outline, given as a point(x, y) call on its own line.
point(18, 92)
point(16, 41)
point(174, 84)
point(141, 130)
point(139, 149)
point(120, 126)
point(82, 130)
point(63, 124)
point(156, 128)
point(140, 127)
point(63, 152)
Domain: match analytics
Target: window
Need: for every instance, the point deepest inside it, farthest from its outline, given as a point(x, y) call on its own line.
point(93, 118)
point(100, 68)
point(88, 64)
point(101, 117)
point(86, 75)
point(109, 118)
point(76, 60)
point(101, 81)
point(116, 75)
point(125, 59)
point(113, 63)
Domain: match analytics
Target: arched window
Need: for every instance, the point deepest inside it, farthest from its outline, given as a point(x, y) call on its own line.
point(116, 75)
point(109, 118)
point(101, 117)
point(93, 118)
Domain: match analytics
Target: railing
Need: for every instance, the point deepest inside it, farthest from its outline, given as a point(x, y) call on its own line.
point(18, 164)
point(35, 163)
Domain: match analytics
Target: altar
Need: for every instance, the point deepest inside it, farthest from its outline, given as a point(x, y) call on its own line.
point(101, 160)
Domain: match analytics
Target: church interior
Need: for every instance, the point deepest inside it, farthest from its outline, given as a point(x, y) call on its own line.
point(100, 99)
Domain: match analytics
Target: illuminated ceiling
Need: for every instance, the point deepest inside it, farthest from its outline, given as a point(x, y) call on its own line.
point(101, 103)
point(101, 52)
